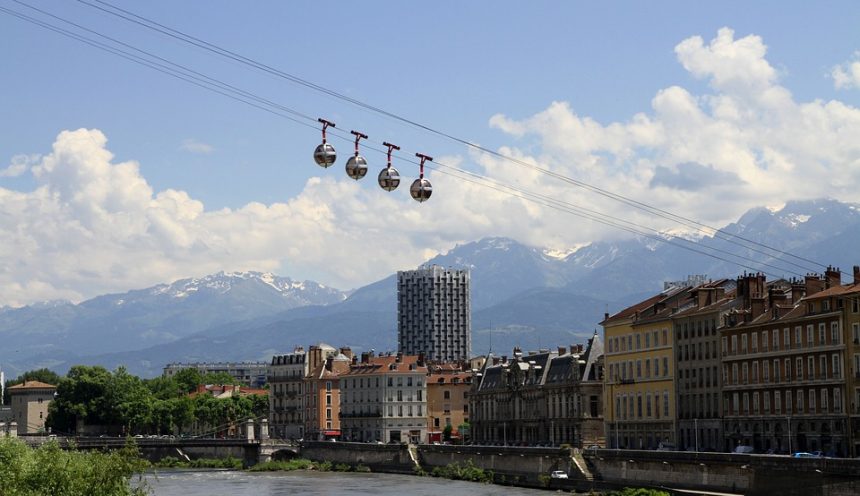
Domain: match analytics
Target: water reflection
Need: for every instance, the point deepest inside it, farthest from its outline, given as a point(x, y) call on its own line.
point(216, 483)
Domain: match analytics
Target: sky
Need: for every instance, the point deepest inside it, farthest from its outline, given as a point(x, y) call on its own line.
point(114, 176)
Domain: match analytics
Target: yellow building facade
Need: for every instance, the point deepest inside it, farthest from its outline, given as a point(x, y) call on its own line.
point(640, 378)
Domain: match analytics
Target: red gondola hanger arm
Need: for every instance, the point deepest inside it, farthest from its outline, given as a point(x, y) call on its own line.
point(358, 135)
point(325, 124)
point(391, 147)
point(421, 167)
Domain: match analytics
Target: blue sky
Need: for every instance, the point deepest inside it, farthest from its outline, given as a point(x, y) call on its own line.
point(488, 72)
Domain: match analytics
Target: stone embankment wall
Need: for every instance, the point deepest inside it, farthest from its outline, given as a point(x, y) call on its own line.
point(393, 458)
point(522, 466)
point(752, 475)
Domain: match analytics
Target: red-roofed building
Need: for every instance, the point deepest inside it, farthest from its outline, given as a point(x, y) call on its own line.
point(447, 400)
point(384, 398)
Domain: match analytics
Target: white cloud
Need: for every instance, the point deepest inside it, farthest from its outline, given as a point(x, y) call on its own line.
point(847, 75)
point(93, 225)
point(195, 146)
point(20, 164)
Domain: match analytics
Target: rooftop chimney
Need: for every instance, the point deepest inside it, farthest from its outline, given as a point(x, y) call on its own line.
point(813, 284)
point(833, 276)
point(561, 350)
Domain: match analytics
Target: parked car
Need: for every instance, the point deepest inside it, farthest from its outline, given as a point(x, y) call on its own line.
point(804, 454)
point(746, 450)
point(558, 474)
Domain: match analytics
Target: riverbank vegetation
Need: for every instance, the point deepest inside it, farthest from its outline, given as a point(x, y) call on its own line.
point(304, 464)
point(173, 462)
point(50, 470)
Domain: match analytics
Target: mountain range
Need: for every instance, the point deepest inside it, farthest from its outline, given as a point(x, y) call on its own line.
point(521, 295)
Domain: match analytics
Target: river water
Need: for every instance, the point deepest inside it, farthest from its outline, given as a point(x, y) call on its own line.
point(217, 483)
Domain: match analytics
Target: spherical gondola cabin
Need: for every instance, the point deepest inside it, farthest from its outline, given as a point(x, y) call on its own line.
point(356, 167)
point(389, 179)
point(421, 190)
point(325, 155)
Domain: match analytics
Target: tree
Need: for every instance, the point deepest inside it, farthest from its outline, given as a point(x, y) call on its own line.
point(446, 432)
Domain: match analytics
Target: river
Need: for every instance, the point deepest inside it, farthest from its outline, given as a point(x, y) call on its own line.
point(232, 483)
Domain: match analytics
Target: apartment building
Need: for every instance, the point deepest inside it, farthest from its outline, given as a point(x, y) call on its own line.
point(384, 398)
point(433, 314)
point(251, 374)
point(640, 380)
point(447, 401)
point(784, 355)
point(286, 376)
point(322, 391)
point(697, 364)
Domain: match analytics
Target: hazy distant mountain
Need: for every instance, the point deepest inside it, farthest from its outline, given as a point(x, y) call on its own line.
point(151, 316)
point(521, 295)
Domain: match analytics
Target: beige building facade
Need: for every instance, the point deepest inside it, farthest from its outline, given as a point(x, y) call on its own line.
point(30, 401)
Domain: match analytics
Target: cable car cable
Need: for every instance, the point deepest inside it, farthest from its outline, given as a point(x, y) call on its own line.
point(570, 208)
point(179, 35)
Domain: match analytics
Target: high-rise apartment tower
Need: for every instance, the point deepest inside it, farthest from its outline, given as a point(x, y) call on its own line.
point(433, 313)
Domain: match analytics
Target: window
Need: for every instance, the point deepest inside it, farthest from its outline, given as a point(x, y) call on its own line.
point(797, 337)
point(754, 342)
point(764, 339)
point(736, 409)
point(810, 335)
point(824, 402)
point(822, 367)
point(446, 395)
point(746, 398)
point(744, 370)
point(785, 339)
point(665, 337)
point(765, 371)
point(787, 401)
point(766, 399)
point(638, 368)
point(837, 400)
point(409, 381)
point(755, 403)
point(836, 366)
point(735, 373)
point(647, 369)
point(786, 365)
point(855, 330)
point(725, 345)
point(810, 368)
point(811, 401)
point(755, 372)
point(638, 341)
point(799, 401)
point(744, 344)
point(648, 405)
point(328, 413)
point(639, 405)
point(420, 394)
point(798, 369)
point(647, 341)
point(777, 402)
point(328, 385)
point(665, 402)
point(822, 332)
point(776, 377)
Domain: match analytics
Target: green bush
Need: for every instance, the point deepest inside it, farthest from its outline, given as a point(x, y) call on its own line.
point(284, 466)
point(324, 466)
point(51, 470)
point(467, 472)
point(362, 468)
point(342, 467)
